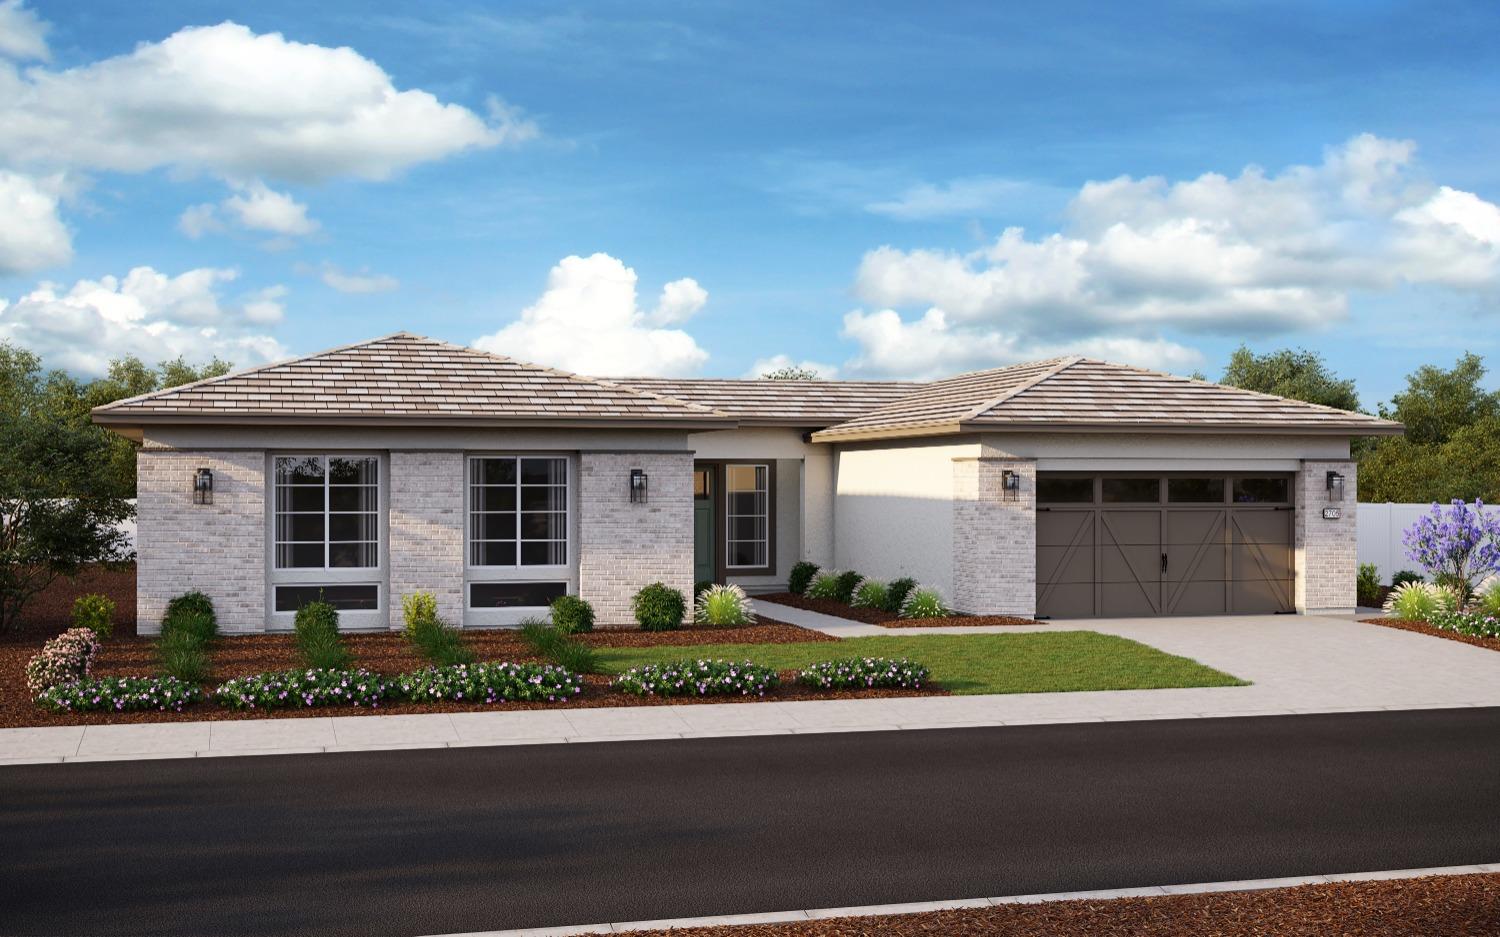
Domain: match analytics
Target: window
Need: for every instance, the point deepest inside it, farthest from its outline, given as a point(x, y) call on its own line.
point(1261, 491)
point(747, 503)
point(518, 511)
point(1052, 490)
point(343, 598)
point(1132, 490)
point(1195, 490)
point(327, 512)
point(515, 594)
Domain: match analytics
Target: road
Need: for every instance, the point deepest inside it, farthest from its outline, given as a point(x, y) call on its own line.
point(452, 840)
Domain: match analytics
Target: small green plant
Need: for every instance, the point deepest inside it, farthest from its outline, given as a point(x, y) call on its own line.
point(121, 694)
point(296, 689)
point(872, 593)
point(697, 678)
point(801, 577)
point(724, 607)
point(440, 643)
point(865, 673)
point(848, 582)
point(1406, 575)
point(1417, 601)
point(923, 603)
point(572, 615)
point(183, 655)
point(559, 648)
point(192, 610)
point(1488, 601)
point(94, 612)
point(318, 640)
point(825, 585)
point(659, 607)
point(417, 607)
point(897, 592)
point(1367, 585)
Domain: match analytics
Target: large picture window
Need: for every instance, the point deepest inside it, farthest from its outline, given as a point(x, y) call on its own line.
point(327, 512)
point(518, 511)
point(747, 506)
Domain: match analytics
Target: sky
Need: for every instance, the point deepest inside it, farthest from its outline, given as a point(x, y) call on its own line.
point(875, 190)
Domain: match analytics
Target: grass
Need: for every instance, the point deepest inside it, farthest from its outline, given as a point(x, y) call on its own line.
point(1031, 662)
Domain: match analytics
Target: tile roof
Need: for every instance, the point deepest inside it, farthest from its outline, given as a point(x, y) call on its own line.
point(1084, 394)
point(406, 378)
point(808, 403)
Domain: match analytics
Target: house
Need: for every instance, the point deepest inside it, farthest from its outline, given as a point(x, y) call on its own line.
point(1067, 488)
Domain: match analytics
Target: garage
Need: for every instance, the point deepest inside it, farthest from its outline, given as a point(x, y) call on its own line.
point(1134, 544)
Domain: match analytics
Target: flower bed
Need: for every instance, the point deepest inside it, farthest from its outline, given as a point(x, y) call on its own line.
point(861, 672)
point(1472, 624)
point(120, 694)
point(490, 683)
point(302, 688)
point(697, 678)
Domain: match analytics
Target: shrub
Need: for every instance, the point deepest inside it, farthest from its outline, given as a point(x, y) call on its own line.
point(183, 655)
point(724, 606)
point(659, 607)
point(701, 586)
point(1456, 586)
point(872, 593)
point(1417, 601)
point(1367, 585)
point(439, 642)
point(490, 683)
point(298, 689)
point(847, 583)
point(923, 603)
point(862, 672)
point(64, 659)
point(824, 585)
point(697, 678)
point(557, 647)
point(418, 607)
point(1477, 624)
point(1488, 602)
point(121, 694)
point(201, 627)
point(317, 629)
point(96, 613)
point(801, 577)
point(1461, 545)
point(572, 615)
point(193, 611)
point(1406, 575)
point(897, 592)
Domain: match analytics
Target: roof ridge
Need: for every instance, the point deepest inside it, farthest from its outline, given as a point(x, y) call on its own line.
point(1242, 390)
point(988, 405)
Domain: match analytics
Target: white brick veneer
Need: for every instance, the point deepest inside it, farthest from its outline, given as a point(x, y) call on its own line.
point(219, 548)
point(625, 546)
point(426, 524)
point(994, 538)
point(1327, 550)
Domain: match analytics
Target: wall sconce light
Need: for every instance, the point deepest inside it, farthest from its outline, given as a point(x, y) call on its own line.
point(639, 483)
point(1335, 486)
point(1010, 483)
point(203, 486)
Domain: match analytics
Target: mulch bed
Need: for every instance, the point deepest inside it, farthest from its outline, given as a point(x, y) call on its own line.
point(875, 616)
point(1440, 906)
point(51, 610)
point(1422, 627)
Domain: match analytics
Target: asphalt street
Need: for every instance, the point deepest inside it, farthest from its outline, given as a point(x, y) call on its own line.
point(453, 840)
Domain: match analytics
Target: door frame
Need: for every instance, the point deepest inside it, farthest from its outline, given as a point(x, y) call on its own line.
point(720, 496)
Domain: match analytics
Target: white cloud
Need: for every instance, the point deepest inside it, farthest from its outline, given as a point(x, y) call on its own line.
point(198, 220)
point(225, 100)
point(254, 207)
point(1253, 254)
point(32, 236)
point(761, 366)
point(146, 313)
point(345, 282)
point(588, 321)
point(23, 34)
point(680, 301)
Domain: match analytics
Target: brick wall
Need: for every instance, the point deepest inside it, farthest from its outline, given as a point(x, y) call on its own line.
point(994, 538)
point(218, 548)
point(426, 524)
point(624, 546)
point(1327, 550)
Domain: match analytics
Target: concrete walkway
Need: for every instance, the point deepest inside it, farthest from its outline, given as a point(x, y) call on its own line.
point(1296, 665)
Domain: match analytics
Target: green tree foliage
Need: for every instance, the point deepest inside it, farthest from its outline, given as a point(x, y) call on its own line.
point(1296, 373)
point(791, 373)
point(1452, 443)
point(1437, 403)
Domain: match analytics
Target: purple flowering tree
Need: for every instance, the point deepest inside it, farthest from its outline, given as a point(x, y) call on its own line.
point(1459, 545)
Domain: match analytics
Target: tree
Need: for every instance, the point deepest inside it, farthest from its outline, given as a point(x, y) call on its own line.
point(1457, 546)
point(791, 373)
point(1296, 373)
point(1438, 403)
point(1451, 449)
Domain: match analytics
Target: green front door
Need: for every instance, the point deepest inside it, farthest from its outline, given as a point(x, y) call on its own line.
point(703, 525)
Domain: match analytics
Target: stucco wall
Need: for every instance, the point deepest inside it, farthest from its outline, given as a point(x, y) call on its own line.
point(1327, 550)
point(623, 545)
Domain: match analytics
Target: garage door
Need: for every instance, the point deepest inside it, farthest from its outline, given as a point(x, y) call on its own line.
point(1140, 544)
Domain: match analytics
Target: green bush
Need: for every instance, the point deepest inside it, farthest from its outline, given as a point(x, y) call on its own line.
point(824, 585)
point(297, 689)
point(724, 607)
point(193, 610)
point(801, 577)
point(418, 607)
point(94, 612)
point(1367, 585)
point(121, 694)
point(572, 615)
point(865, 672)
point(183, 655)
point(1418, 601)
point(659, 607)
point(1489, 600)
point(439, 642)
point(924, 603)
point(490, 683)
point(317, 633)
point(565, 651)
point(1474, 624)
point(1405, 576)
point(847, 583)
point(872, 593)
point(897, 592)
point(697, 678)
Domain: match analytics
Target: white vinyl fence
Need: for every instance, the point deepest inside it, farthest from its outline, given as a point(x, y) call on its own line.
point(1381, 527)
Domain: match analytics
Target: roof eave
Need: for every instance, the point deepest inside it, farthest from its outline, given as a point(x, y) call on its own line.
point(1259, 429)
point(124, 421)
point(895, 432)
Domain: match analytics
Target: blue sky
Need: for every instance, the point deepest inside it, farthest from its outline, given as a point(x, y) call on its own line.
point(881, 189)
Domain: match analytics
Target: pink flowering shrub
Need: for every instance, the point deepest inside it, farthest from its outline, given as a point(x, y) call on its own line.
point(64, 659)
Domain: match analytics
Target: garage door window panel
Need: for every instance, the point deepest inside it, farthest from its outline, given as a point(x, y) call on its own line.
point(1065, 490)
point(1253, 490)
point(1131, 490)
point(1195, 490)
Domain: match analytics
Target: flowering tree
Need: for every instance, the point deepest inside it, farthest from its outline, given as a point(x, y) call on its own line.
point(1458, 545)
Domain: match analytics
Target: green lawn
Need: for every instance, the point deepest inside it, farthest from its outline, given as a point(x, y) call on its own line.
point(1027, 662)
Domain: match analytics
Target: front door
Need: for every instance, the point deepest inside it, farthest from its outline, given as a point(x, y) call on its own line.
point(703, 524)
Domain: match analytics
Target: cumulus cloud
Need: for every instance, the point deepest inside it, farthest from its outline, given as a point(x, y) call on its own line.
point(1138, 258)
point(226, 100)
point(146, 313)
point(346, 282)
point(763, 366)
point(254, 206)
point(32, 236)
point(588, 321)
point(23, 34)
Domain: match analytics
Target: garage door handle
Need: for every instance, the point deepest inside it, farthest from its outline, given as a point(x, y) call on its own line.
point(1163, 562)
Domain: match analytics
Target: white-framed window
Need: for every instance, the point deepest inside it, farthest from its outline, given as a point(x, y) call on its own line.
point(518, 511)
point(326, 512)
point(747, 516)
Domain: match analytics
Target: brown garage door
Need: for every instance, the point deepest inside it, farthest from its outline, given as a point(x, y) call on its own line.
point(1137, 544)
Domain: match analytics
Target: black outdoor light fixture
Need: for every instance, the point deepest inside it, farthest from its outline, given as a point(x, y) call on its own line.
point(1010, 483)
point(638, 486)
point(1335, 486)
point(203, 486)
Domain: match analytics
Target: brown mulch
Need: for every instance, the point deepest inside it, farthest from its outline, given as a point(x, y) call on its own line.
point(875, 616)
point(1422, 627)
point(1440, 906)
point(51, 610)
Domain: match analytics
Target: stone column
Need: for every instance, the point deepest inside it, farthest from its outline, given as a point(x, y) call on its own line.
point(426, 524)
point(994, 537)
point(623, 545)
point(1327, 549)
